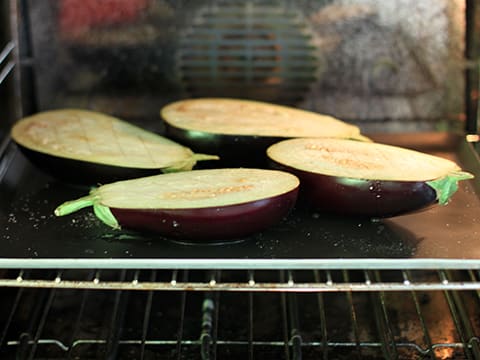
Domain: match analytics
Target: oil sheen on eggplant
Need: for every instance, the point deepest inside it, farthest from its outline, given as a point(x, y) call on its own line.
point(200, 205)
point(240, 131)
point(86, 147)
point(234, 150)
point(366, 179)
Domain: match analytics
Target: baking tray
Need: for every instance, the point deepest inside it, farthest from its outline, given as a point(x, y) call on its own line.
point(442, 236)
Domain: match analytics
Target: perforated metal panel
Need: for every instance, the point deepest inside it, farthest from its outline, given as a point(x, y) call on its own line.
point(258, 50)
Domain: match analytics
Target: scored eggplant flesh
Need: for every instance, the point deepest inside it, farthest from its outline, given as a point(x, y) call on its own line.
point(247, 117)
point(241, 130)
point(101, 146)
point(198, 205)
point(366, 179)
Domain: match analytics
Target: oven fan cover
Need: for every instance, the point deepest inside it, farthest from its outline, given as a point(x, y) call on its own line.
point(260, 50)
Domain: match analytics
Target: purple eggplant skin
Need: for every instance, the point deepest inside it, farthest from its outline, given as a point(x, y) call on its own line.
point(78, 172)
point(361, 197)
point(212, 223)
point(234, 150)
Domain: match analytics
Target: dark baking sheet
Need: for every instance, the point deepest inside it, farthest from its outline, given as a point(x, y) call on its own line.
point(31, 234)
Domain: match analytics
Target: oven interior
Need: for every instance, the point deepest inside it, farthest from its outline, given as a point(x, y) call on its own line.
point(316, 286)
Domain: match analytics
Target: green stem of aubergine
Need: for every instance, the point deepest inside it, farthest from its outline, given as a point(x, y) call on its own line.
point(105, 215)
point(72, 206)
point(188, 164)
point(446, 186)
point(101, 211)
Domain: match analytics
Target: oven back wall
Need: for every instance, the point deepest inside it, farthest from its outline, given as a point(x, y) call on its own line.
point(386, 66)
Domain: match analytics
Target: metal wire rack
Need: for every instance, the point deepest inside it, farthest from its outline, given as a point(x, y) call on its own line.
point(7, 65)
point(371, 280)
point(279, 314)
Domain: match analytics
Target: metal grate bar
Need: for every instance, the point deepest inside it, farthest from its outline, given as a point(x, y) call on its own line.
point(42, 323)
point(250, 325)
point(249, 34)
point(262, 91)
point(297, 68)
point(210, 321)
point(6, 157)
point(196, 343)
point(461, 319)
point(212, 281)
point(251, 282)
point(232, 42)
point(258, 31)
point(201, 50)
point(238, 23)
point(208, 315)
point(474, 278)
point(394, 264)
point(78, 321)
point(323, 318)
point(146, 316)
point(183, 301)
point(295, 333)
point(457, 323)
point(283, 302)
point(11, 316)
point(6, 51)
point(383, 323)
point(234, 286)
point(25, 337)
point(296, 76)
point(426, 336)
point(117, 320)
point(7, 69)
point(261, 12)
point(353, 314)
point(173, 281)
point(96, 278)
point(20, 275)
point(216, 321)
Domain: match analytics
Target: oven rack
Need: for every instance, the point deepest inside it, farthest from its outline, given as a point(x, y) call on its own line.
point(6, 65)
point(311, 280)
point(376, 324)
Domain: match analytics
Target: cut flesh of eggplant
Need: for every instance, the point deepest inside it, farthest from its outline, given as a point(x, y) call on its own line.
point(231, 127)
point(61, 140)
point(246, 117)
point(367, 179)
point(195, 205)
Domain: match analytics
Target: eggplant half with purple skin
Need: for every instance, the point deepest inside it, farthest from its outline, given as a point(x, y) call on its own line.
point(87, 147)
point(366, 179)
point(212, 204)
point(240, 131)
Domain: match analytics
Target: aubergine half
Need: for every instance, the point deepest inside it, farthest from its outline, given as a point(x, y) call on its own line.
point(366, 179)
point(209, 204)
point(240, 131)
point(88, 147)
